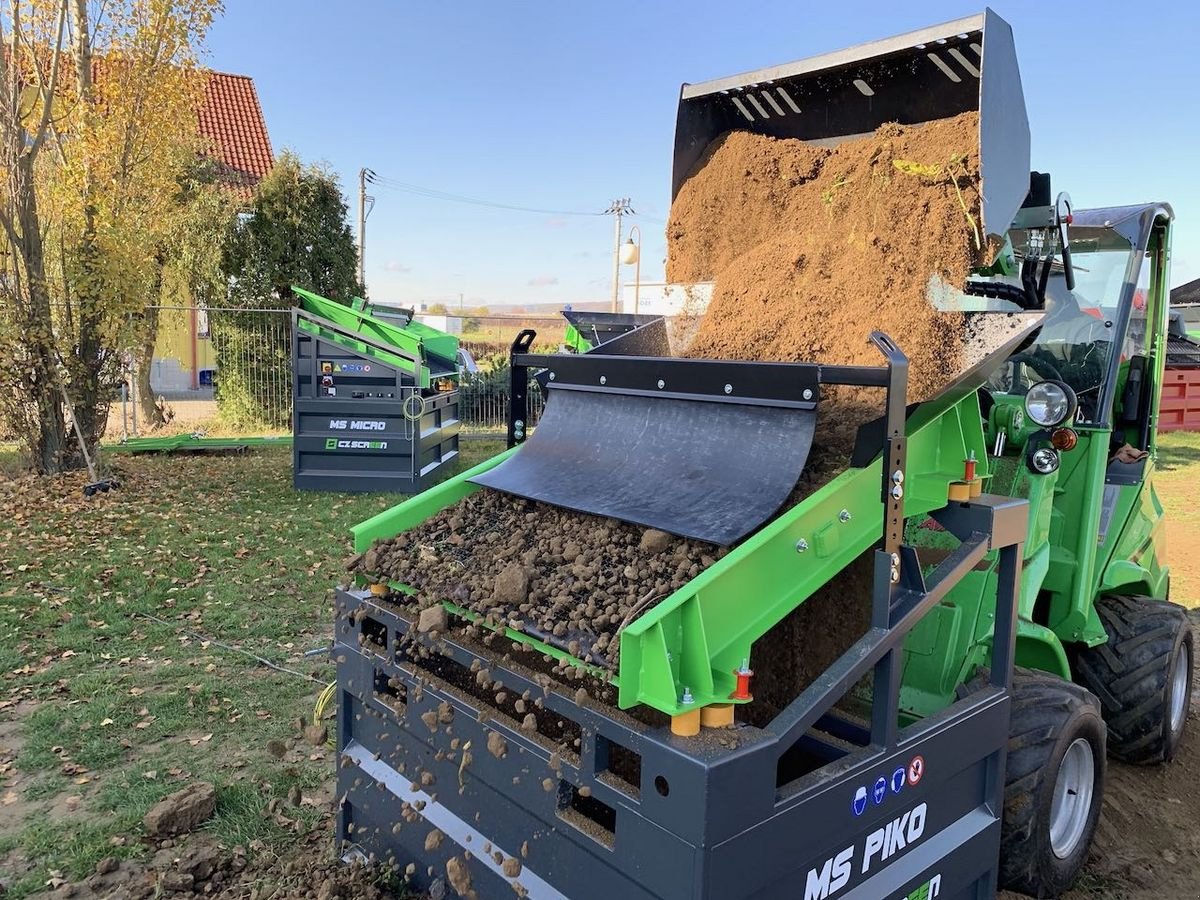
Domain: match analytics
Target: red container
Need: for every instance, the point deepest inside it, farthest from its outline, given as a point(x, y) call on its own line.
point(1180, 407)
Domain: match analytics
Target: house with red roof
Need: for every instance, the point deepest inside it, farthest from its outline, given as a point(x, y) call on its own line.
point(231, 119)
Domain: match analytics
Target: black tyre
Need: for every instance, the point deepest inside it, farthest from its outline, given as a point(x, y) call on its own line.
point(1143, 676)
point(1054, 784)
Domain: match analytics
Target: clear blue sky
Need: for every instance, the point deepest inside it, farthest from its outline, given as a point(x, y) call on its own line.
point(565, 105)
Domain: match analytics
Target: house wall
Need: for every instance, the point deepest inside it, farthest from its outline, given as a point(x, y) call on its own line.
point(171, 370)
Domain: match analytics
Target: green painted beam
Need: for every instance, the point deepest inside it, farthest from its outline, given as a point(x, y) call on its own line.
point(699, 635)
point(188, 443)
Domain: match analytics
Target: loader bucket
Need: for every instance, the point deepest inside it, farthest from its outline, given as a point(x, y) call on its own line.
point(933, 73)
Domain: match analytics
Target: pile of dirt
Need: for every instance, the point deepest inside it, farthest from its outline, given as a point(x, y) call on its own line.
point(812, 248)
point(571, 579)
point(199, 867)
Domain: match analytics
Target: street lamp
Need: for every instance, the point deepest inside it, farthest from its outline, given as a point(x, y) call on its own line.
point(631, 255)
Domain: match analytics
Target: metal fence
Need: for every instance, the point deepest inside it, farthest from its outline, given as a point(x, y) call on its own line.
point(484, 410)
point(235, 366)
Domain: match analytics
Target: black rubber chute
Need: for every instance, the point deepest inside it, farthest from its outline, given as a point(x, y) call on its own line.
point(698, 469)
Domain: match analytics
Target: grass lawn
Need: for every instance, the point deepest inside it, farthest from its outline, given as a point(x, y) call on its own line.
point(103, 711)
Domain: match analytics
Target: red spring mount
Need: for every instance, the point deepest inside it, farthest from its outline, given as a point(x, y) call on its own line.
point(742, 691)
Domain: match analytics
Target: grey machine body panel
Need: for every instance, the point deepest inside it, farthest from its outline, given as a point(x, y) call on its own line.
point(363, 425)
point(817, 804)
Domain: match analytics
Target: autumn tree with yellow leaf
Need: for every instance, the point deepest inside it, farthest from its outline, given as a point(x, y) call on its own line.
point(98, 105)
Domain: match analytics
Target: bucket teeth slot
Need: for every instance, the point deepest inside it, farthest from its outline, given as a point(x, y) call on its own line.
point(946, 70)
point(742, 109)
point(766, 95)
point(787, 98)
point(964, 62)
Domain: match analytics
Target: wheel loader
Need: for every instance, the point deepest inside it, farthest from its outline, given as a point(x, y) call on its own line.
point(1019, 631)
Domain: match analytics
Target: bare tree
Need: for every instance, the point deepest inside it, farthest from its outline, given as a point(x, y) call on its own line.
point(29, 382)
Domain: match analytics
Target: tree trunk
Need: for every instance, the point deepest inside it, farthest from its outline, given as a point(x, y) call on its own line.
point(47, 445)
point(143, 391)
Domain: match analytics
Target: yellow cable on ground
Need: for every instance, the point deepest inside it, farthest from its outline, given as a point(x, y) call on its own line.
point(324, 699)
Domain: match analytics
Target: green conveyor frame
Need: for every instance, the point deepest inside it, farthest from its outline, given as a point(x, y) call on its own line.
point(191, 443)
point(426, 353)
point(700, 634)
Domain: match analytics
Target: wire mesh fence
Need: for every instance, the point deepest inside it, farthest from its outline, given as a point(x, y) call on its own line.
point(234, 366)
point(483, 402)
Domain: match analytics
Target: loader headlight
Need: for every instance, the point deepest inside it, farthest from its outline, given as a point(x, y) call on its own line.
point(1044, 460)
point(1050, 403)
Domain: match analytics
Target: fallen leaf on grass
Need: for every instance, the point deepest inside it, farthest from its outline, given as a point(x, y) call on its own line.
point(83, 780)
point(202, 740)
point(105, 722)
point(9, 798)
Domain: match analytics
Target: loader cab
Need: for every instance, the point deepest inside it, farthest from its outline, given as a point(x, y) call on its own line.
point(1105, 339)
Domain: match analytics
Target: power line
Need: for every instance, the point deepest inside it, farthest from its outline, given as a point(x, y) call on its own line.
point(393, 184)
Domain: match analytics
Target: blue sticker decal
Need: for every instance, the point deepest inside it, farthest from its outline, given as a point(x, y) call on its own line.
point(898, 778)
point(860, 801)
point(880, 790)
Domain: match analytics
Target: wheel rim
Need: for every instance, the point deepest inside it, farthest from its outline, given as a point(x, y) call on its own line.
point(1177, 701)
point(1073, 792)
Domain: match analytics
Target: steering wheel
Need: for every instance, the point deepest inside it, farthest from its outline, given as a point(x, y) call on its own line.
point(1040, 365)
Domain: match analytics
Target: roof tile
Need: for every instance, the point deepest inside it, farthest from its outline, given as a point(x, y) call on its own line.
point(232, 120)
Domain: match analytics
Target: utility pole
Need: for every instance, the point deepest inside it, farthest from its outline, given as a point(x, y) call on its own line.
point(364, 175)
point(617, 209)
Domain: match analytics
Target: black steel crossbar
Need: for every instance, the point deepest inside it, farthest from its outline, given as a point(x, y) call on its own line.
point(791, 385)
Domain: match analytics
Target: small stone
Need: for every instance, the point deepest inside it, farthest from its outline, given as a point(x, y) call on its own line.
point(512, 585)
point(512, 867)
point(497, 745)
point(316, 734)
point(177, 882)
point(432, 618)
point(654, 541)
point(529, 723)
point(182, 811)
point(459, 876)
point(433, 840)
point(107, 865)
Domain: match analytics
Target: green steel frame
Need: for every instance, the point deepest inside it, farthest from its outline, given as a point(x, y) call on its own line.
point(1087, 535)
point(416, 342)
